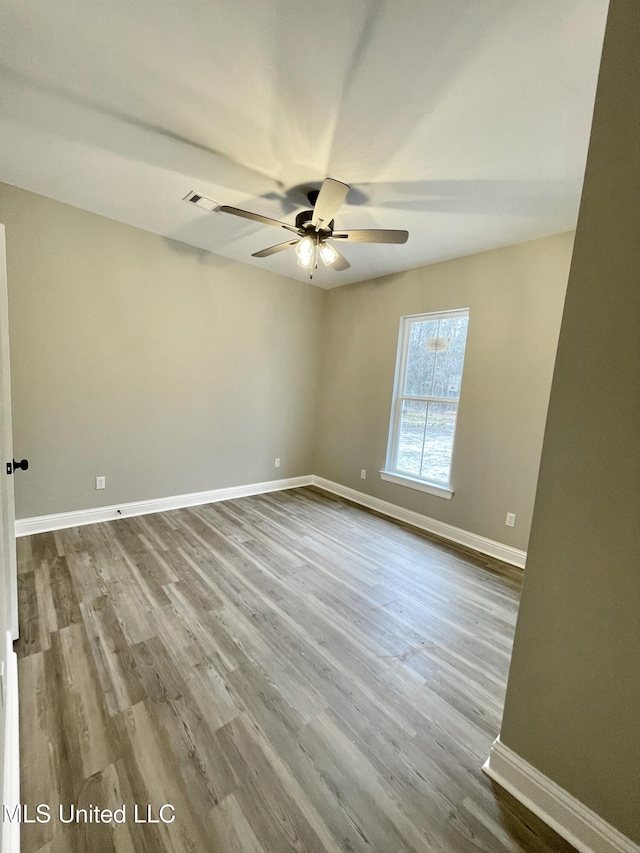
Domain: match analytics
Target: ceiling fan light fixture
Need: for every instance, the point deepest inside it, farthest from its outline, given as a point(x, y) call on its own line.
point(305, 251)
point(328, 254)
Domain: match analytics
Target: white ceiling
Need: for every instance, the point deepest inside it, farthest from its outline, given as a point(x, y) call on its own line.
point(464, 121)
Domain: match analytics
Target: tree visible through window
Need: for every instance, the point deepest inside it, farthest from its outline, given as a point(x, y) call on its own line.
point(427, 393)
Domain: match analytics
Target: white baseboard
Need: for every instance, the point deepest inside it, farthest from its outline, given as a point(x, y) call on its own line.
point(11, 794)
point(570, 818)
point(61, 520)
point(502, 552)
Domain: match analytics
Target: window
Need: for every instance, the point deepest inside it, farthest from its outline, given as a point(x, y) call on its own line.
point(426, 397)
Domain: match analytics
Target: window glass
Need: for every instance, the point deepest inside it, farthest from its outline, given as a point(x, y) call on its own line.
point(420, 359)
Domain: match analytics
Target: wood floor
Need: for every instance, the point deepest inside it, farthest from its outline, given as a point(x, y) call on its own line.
point(288, 671)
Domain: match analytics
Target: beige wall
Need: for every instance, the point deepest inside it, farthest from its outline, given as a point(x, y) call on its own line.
point(573, 699)
point(515, 296)
point(167, 369)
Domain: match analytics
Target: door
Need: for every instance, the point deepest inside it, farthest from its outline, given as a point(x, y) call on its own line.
point(9, 754)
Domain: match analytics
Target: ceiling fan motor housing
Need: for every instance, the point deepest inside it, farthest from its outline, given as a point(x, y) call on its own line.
point(303, 220)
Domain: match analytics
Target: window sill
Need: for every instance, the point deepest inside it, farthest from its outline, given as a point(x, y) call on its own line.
point(420, 485)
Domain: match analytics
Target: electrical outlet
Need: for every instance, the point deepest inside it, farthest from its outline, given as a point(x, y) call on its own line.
point(511, 519)
point(101, 482)
point(363, 473)
point(277, 463)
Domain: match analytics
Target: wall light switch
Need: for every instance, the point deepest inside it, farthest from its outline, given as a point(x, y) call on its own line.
point(101, 482)
point(277, 463)
point(363, 473)
point(511, 519)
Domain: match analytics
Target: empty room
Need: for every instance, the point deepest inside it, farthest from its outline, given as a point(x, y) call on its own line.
point(319, 426)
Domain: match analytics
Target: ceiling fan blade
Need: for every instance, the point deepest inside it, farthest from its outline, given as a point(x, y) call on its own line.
point(332, 194)
point(372, 235)
point(273, 249)
point(257, 217)
point(340, 263)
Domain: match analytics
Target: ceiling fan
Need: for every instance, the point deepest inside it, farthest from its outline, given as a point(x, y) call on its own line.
point(314, 229)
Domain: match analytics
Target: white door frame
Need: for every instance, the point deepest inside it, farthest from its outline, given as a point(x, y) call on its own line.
point(8, 519)
point(9, 742)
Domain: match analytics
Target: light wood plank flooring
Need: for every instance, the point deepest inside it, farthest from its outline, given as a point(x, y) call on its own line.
point(288, 671)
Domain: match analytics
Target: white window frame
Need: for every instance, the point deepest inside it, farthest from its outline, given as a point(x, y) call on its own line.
point(390, 472)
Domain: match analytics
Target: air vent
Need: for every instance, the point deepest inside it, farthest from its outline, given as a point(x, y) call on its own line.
point(203, 202)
